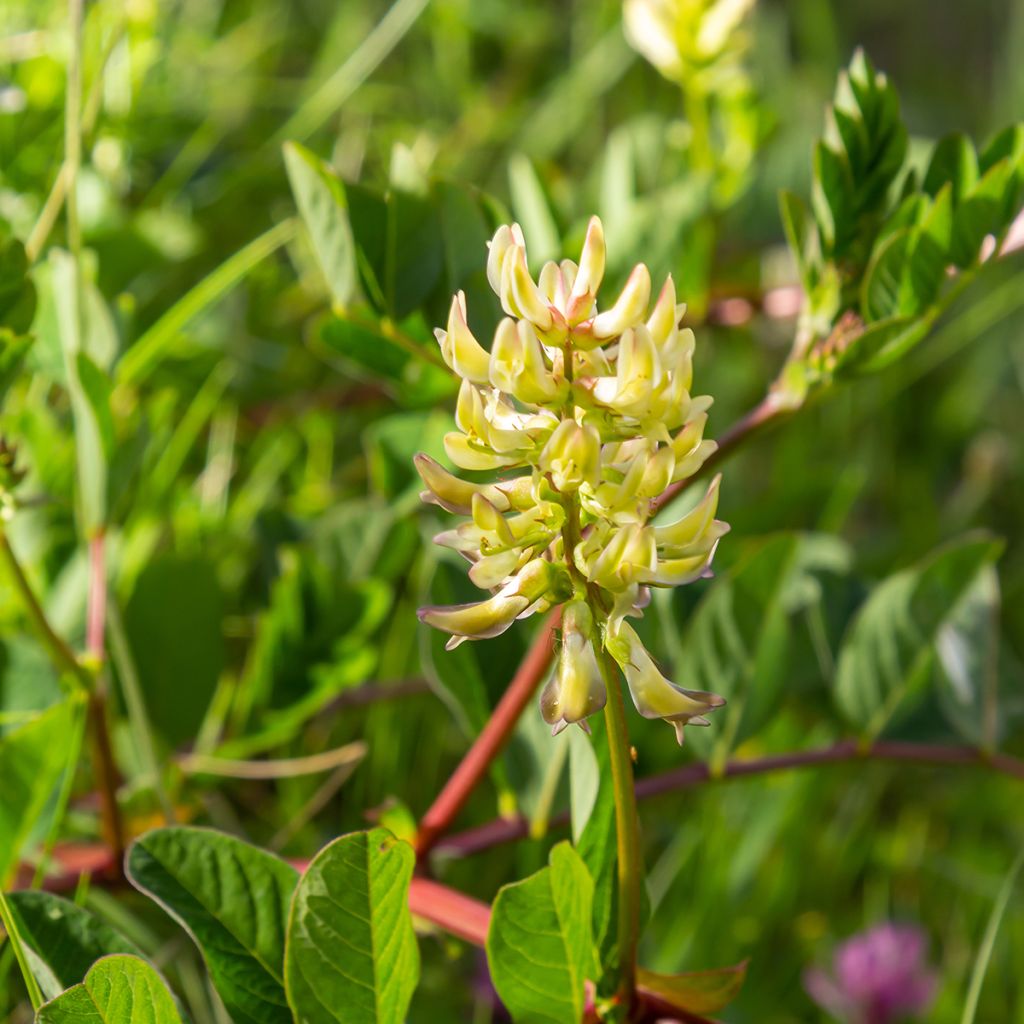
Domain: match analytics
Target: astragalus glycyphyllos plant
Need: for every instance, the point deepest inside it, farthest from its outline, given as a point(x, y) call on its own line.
point(590, 414)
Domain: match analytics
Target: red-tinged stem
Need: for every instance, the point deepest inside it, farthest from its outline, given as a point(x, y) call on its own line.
point(767, 411)
point(500, 830)
point(103, 764)
point(451, 910)
point(492, 739)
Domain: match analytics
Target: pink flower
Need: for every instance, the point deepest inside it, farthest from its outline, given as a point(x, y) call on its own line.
point(878, 977)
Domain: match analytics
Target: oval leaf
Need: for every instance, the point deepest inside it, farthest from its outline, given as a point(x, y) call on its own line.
point(321, 199)
point(352, 954)
point(117, 990)
point(62, 939)
point(232, 898)
point(539, 944)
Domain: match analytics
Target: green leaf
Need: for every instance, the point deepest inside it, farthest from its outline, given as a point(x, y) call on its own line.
point(797, 223)
point(881, 344)
point(696, 991)
point(352, 954)
point(32, 761)
point(831, 195)
point(953, 162)
point(983, 211)
point(1007, 145)
point(882, 286)
point(117, 990)
point(63, 939)
point(414, 253)
point(178, 679)
point(232, 898)
point(890, 650)
point(320, 197)
point(584, 780)
point(539, 943)
point(929, 254)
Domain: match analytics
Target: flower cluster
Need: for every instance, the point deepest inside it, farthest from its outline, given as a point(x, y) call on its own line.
point(881, 976)
point(594, 409)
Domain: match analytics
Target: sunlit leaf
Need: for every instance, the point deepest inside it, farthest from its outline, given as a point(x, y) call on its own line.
point(539, 945)
point(352, 955)
point(323, 205)
point(232, 898)
point(117, 990)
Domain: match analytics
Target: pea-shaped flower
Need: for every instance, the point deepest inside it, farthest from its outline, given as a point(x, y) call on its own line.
point(586, 416)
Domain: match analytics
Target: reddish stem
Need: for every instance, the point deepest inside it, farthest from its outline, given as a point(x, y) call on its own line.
point(492, 739)
point(103, 764)
point(504, 830)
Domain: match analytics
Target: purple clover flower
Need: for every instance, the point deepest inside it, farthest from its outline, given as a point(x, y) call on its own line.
point(880, 976)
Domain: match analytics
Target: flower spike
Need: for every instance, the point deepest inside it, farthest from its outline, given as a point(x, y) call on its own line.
point(593, 412)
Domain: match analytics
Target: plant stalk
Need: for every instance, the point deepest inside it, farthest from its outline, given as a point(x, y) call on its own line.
point(627, 831)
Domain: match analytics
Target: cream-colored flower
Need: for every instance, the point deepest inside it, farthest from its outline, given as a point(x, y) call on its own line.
point(682, 38)
point(587, 415)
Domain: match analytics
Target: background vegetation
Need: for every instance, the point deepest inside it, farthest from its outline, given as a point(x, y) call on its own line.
point(265, 542)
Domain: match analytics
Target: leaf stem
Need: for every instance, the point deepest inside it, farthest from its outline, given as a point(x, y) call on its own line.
point(627, 830)
point(62, 656)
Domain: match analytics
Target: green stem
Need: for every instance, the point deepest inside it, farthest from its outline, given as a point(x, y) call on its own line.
point(14, 938)
point(627, 829)
point(62, 655)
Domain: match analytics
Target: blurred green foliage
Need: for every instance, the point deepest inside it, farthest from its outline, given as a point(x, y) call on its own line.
point(245, 425)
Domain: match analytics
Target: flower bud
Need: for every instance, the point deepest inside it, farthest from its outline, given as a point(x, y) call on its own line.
point(497, 248)
point(461, 351)
point(589, 275)
point(662, 321)
point(519, 295)
point(576, 690)
point(451, 493)
point(491, 523)
point(690, 449)
point(477, 621)
point(537, 385)
point(680, 537)
point(653, 694)
point(629, 308)
point(572, 456)
point(473, 455)
point(484, 619)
